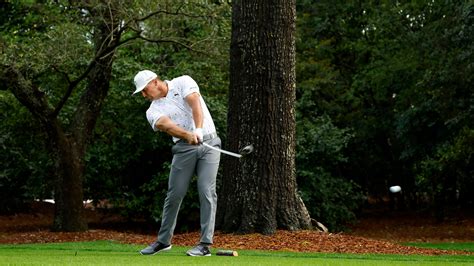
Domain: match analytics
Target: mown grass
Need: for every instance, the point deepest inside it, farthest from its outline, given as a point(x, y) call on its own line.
point(464, 246)
point(112, 253)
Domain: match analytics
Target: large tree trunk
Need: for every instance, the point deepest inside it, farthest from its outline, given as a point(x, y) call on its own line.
point(259, 193)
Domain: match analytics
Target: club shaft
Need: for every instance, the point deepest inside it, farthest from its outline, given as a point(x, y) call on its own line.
point(222, 151)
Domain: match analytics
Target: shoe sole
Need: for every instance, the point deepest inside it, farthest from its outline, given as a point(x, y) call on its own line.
point(194, 255)
point(161, 250)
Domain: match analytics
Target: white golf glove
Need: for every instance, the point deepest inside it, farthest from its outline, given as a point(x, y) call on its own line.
point(198, 132)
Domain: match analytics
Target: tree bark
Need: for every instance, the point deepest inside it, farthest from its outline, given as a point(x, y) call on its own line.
point(259, 193)
point(68, 185)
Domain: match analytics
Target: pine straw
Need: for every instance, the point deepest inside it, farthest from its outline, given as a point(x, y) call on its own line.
point(376, 235)
point(298, 241)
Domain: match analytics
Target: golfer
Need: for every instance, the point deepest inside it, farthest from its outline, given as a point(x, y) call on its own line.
point(178, 109)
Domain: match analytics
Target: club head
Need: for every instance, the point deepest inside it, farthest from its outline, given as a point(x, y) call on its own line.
point(246, 150)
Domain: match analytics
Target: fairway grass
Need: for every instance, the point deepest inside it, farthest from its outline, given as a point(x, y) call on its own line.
point(464, 246)
point(113, 253)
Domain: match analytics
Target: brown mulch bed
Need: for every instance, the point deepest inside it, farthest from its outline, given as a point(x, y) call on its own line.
point(376, 235)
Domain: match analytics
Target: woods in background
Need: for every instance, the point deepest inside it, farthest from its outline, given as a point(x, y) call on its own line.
point(384, 96)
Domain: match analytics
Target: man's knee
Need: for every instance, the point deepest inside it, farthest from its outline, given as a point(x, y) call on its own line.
point(176, 196)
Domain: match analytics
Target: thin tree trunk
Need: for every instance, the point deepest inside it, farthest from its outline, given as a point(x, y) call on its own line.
point(67, 167)
point(259, 193)
point(71, 148)
point(68, 189)
point(68, 147)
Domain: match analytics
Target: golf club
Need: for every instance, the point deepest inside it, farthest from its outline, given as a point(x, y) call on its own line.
point(244, 151)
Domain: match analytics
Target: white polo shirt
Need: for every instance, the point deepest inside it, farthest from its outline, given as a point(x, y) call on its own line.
point(174, 106)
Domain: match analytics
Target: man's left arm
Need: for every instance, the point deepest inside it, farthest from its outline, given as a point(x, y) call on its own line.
point(194, 102)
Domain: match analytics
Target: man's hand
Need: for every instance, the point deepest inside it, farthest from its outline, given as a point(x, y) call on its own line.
point(199, 135)
point(191, 138)
point(166, 125)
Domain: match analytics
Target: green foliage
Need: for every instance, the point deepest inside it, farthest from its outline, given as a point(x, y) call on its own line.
point(384, 93)
point(434, 114)
point(44, 39)
point(53, 43)
point(399, 75)
point(329, 198)
point(448, 172)
point(25, 163)
point(319, 139)
point(147, 200)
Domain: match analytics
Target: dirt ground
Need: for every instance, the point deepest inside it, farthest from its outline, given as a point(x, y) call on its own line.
point(379, 232)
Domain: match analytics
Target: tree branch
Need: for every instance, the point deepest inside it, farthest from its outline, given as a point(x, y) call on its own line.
point(26, 93)
point(110, 44)
point(190, 48)
point(72, 85)
point(173, 13)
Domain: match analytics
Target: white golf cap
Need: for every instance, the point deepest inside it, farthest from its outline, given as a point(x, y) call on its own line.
point(142, 79)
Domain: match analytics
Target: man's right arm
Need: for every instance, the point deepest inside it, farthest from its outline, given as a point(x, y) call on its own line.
point(165, 124)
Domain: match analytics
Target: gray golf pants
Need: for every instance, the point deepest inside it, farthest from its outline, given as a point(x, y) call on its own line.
point(187, 161)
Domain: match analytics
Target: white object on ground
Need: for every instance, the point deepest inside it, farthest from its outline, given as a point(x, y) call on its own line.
point(53, 202)
point(395, 189)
